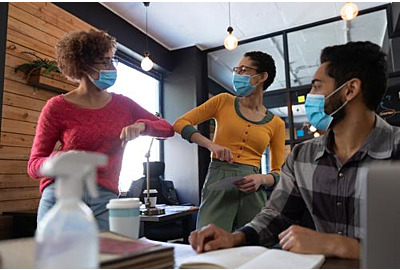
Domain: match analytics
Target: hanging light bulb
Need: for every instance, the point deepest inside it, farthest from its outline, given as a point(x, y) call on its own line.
point(316, 135)
point(146, 63)
point(349, 11)
point(230, 42)
point(312, 128)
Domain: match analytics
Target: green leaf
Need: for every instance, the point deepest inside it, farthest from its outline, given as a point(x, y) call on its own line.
point(30, 67)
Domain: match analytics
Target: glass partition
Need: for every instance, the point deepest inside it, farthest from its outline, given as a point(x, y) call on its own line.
point(303, 50)
point(221, 62)
point(305, 45)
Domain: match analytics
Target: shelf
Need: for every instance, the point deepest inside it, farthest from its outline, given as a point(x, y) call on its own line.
point(52, 81)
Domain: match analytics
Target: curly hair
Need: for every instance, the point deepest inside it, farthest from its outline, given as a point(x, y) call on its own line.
point(264, 63)
point(78, 50)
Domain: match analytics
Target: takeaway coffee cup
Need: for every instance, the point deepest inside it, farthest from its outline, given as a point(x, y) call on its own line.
point(124, 216)
point(153, 197)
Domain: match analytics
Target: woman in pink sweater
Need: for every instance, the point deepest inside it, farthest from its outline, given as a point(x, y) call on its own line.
point(89, 118)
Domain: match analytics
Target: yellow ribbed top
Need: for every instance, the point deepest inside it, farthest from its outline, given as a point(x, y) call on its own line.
point(246, 139)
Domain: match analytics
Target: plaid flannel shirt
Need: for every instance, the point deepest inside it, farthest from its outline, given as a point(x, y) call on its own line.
point(314, 179)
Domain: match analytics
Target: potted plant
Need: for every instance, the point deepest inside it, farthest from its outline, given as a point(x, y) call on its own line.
point(44, 73)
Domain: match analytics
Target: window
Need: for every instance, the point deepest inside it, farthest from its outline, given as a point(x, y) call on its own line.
point(305, 45)
point(144, 90)
point(296, 53)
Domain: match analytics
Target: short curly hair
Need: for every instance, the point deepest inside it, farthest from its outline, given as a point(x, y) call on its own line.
point(264, 63)
point(78, 50)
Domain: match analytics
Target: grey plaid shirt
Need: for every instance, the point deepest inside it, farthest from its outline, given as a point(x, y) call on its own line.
point(314, 179)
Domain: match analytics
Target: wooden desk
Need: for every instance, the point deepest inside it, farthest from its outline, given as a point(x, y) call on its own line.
point(172, 214)
point(335, 263)
point(20, 253)
point(182, 251)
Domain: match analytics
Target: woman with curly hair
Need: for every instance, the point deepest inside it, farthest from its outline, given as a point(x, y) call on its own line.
point(90, 119)
point(244, 129)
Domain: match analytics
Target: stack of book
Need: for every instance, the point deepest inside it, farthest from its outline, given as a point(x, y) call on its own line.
point(118, 251)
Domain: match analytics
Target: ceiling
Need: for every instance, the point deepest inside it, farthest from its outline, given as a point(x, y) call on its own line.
point(177, 25)
point(180, 24)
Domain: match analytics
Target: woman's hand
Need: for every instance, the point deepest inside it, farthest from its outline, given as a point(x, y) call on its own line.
point(131, 132)
point(222, 153)
point(250, 183)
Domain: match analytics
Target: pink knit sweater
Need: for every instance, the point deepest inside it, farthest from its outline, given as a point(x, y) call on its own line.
point(95, 130)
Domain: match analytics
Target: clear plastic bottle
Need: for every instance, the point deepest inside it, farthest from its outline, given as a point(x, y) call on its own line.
point(67, 236)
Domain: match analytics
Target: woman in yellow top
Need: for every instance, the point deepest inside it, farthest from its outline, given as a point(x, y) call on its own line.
point(244, 129)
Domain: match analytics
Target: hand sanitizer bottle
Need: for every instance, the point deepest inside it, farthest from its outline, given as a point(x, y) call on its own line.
point(67, 236)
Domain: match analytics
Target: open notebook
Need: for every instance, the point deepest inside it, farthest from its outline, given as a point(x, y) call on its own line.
point(252, 257)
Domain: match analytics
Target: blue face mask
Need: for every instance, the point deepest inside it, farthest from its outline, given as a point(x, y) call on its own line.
point(106, 78)
point(242, 85)
point(315, 110)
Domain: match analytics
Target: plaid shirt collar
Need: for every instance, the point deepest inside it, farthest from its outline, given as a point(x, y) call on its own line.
point(374, 146)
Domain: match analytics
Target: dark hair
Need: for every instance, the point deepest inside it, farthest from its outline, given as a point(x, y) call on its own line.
point(76, 50)
point(363, 60)
point(264, 63)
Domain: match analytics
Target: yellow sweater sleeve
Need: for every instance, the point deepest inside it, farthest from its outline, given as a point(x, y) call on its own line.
point(184, 124)
point(277, 148)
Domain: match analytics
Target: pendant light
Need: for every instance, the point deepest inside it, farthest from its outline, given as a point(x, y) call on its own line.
point(230, 42)
point(146, 63)
point(349, 11)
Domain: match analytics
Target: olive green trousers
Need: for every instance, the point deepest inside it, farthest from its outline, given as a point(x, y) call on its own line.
point(229, 209)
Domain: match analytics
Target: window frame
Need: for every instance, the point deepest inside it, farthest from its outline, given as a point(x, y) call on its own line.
point(132, 62)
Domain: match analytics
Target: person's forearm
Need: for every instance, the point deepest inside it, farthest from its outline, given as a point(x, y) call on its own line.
point(343, 247)
point(268, 180)
point(239, 239)
point(201, 140)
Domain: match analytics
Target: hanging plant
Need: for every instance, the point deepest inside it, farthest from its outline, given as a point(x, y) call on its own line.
point(37, 66)
point(44, 73)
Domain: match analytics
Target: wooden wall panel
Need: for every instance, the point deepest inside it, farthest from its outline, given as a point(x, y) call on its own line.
point(23, 89)
point(32, 27)
point(19, 205)
point(23, 193)
point(19, 127)
point(17, 180)
point(32, 32)
point(33, 21)
point(14, 152)
point(20, 114)
point(11, 139)
point(16, 100)
point(31, 44)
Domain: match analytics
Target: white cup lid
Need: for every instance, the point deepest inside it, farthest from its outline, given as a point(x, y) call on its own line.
point(150, 191)
point(123, 203)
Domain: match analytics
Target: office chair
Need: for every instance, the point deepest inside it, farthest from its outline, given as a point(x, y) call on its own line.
point(166, 195)
point(165, 188)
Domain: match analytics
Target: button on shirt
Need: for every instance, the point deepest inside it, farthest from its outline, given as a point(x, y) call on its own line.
point(246, 139)
point(314, 179)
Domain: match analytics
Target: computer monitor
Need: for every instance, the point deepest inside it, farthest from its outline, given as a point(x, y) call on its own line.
point(380, 217)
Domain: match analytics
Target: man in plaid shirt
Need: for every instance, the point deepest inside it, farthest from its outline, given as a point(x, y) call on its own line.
point(321, 176)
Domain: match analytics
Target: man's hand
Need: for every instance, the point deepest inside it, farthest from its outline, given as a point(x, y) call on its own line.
point(222, 153)
point(303, 240)
point(212, 237)
point(131, 132)
point(250, 183)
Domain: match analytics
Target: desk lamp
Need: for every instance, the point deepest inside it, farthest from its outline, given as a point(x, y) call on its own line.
point(150, 211)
